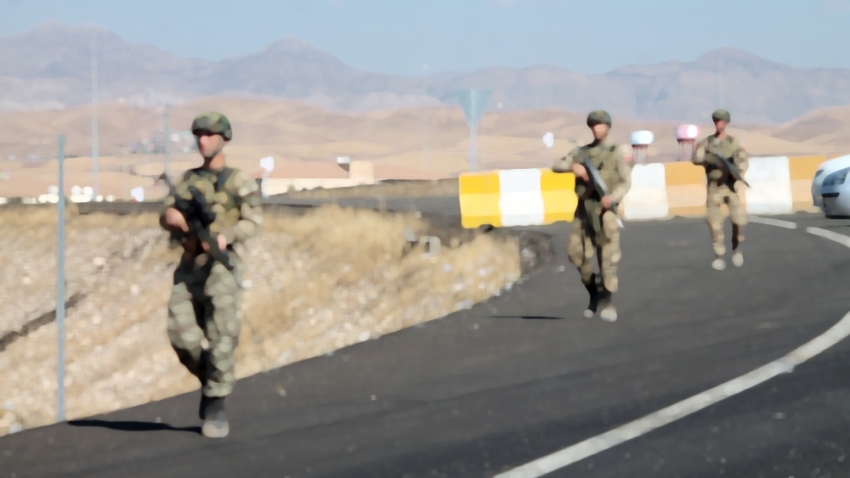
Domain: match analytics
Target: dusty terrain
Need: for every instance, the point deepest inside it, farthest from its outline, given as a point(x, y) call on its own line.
point(316, 282)
point(432, 140)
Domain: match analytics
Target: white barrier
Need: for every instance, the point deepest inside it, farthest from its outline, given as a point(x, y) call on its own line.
point(770, 186)
point(647, 198)
point(520, 198)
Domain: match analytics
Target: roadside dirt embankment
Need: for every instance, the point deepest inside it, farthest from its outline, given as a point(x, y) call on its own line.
point(318, 280)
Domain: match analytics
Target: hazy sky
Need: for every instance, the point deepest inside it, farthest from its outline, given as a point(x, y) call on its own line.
point(399, 36)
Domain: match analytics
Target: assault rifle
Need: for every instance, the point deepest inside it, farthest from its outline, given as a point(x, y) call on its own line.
point(601, 187)
point(732, 169)
point(199, 215)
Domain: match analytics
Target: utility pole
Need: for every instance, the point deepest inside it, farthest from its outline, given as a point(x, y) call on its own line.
point(94, 138)
point(60, 288)
point(425, 115)
point(125, 170)
point(166, 140)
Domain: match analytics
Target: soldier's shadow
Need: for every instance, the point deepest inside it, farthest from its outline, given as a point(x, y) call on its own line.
point(133, 426)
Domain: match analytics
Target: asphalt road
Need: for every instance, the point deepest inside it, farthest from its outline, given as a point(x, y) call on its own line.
point(524, 374)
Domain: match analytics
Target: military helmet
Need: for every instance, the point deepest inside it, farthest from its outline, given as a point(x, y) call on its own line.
point(721, 115)
point(213, 123)
point(598, 117)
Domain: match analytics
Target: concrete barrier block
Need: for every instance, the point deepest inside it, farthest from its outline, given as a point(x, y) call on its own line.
point(559, 197)
point(647, 197)
point(524, 197)
point(516, 197)
point(520, 197)
point(479, 199)
point(770, 186)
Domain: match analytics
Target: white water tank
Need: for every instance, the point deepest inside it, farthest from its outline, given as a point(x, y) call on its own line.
point(642, 138)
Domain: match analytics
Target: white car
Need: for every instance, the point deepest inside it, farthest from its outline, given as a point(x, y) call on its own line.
point(824, 170)
point(835, 194)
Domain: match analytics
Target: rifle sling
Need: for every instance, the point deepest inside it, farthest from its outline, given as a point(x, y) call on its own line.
point(222, 178)
point(592, 206)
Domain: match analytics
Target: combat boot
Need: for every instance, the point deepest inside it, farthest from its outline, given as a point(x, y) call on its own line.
point(719, 263)
point(737, 258)
point(608, 312)
point(215, 420)
point(593, 290)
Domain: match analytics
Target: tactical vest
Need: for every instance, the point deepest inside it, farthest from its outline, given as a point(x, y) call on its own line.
point(226, 204)
point(713, 147)
point(604, 158)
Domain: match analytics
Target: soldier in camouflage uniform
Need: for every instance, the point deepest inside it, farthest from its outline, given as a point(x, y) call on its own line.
point(204, 300)
point(723, 188)
point(596, 227)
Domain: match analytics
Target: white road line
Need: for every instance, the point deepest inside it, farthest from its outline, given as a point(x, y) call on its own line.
point(832, 236)
point(773, 222)
point(641, 426)
point(674, 412)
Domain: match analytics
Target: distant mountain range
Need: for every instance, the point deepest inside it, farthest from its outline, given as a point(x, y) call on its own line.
point(49, 67)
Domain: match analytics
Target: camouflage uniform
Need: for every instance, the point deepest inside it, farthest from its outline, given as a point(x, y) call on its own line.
point(721, 187)
point(205, 296)
point(595, 229)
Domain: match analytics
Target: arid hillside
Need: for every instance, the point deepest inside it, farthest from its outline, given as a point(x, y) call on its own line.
point(432, 141)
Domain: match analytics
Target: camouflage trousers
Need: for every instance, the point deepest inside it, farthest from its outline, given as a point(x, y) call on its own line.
point(204, 304)
point(716, 196)
point(582, 245)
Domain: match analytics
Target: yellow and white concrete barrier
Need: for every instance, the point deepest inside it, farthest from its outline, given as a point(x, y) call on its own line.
point(516, 197)
point(527, 197)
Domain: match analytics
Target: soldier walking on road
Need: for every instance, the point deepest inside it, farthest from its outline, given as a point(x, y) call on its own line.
point(596, 227)
point(723, 188)
point(204, 300)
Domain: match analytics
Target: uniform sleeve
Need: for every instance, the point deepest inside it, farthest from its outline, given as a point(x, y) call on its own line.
point(250, 211)
point(742, 159)
point(167, 203)
point(698, 157)
point(565, 164)
point(625, 171)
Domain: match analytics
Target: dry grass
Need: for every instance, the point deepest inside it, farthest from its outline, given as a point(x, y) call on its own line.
point(315, 282)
